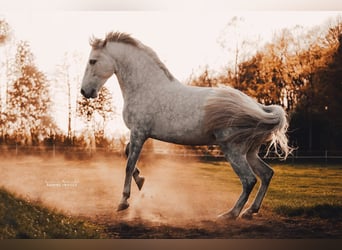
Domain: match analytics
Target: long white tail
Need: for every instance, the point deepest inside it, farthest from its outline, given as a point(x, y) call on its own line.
point(278, 138)
point(251, 123)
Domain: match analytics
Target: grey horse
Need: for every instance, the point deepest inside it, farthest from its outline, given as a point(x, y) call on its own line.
point(158, 106)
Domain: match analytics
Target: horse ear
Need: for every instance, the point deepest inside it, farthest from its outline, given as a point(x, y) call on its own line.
point(97, 43)
point(92, 40)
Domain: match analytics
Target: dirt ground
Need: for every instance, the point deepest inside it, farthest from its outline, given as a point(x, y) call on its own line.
point(179, 199)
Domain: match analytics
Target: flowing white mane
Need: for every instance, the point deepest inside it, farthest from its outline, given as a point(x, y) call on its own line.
point(125, 38)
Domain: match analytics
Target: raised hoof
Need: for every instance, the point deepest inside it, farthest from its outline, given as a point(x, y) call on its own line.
point(141, 182)
point(226, 216)
point(122, 206)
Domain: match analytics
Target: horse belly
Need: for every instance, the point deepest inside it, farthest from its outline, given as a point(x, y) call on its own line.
point(188, 137)
point(184, 139)
point(181, 128)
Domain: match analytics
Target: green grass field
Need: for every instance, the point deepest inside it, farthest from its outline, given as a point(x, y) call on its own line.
point(313, 190)
point(308, 190)
point(21, 219)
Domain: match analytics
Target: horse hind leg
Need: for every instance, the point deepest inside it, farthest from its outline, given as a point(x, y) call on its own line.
point(265, 173)
point(139, 180)
point(241, 167)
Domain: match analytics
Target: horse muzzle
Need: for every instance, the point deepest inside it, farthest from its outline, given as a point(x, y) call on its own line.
point(91, 94)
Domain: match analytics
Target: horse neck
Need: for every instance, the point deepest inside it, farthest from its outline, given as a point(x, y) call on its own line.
point(135, 69)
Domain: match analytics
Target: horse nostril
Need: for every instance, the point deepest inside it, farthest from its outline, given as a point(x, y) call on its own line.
point(91, 94)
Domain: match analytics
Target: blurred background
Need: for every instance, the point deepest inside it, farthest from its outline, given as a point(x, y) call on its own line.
point(275, 54)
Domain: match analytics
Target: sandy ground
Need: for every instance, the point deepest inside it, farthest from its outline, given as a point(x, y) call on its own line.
point(179, 199)
point(172, 193)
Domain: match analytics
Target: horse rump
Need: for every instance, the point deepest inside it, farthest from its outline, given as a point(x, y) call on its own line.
point(231, 115)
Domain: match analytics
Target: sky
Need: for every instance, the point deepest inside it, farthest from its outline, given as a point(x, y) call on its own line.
point(184, 41)
point(185, 38)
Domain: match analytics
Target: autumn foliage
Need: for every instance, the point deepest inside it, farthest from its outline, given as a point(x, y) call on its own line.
point(300, 70)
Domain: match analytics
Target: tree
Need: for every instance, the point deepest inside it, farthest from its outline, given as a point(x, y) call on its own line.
point(4, 31)
point(105, 107)
point(4, 38)
point(300, 70)
point(318, 111)
point(89, 109)
point(203, 80)
point(67, 78)
point(310, 114)
point(267, 75)
point(333, 106)
point(29, 100)
point(63, 76)
point(238, 46)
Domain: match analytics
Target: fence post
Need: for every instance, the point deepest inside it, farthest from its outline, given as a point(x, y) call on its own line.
point(326, 156)
point(293, 158)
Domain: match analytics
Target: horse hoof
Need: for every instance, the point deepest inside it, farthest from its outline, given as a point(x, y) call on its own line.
point(247, 216)
point(141, 182)
point(226, 216)
point(122, 206)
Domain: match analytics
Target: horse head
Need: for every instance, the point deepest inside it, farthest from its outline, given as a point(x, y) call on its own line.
point(99, 68)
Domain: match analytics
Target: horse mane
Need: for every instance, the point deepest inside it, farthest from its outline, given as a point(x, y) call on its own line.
point(125, 38)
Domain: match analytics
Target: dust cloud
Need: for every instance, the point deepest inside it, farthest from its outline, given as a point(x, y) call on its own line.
point(176, 192)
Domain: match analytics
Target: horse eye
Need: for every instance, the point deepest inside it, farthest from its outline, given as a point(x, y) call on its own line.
point(92, 61)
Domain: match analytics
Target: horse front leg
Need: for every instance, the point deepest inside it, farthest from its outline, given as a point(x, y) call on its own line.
point(139, 180)
point(136, 142)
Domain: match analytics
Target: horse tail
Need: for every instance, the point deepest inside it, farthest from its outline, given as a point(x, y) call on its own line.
point(277, 135)
point(233, 116)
